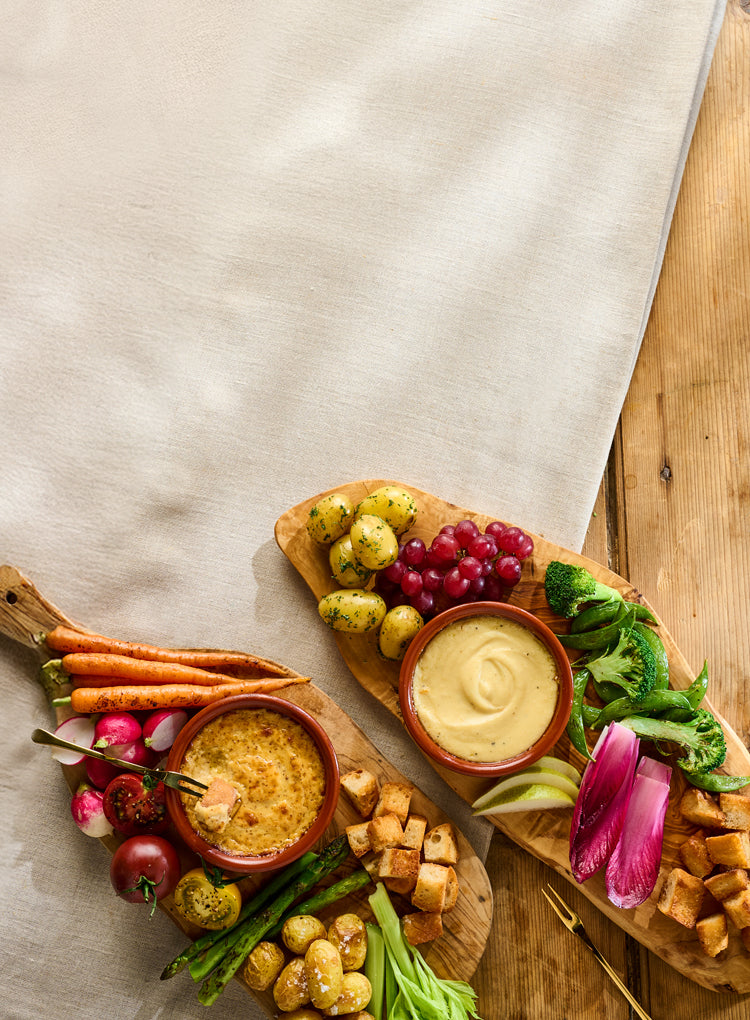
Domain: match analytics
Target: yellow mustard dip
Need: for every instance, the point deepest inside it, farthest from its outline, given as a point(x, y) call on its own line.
point(485, 688)
point(275, 768)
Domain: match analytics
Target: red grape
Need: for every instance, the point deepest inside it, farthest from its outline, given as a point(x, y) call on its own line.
point(445, 548)
point(447, 529)
point(508, 569)
point(424, 603)
point(526, 548)
point(493, 589)
point(464, 532)
point(496, 529)
point(470, 567)
point(477, 586)
point(411, 583)
point(432, 579)
point(512, 539)
point(454, 585)
point(394, 572)
point(482, 546)
point(414, 552)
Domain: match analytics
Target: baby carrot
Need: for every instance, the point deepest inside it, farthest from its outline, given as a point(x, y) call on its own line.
point(85, 700)
point(67, 639)
point(139, 671)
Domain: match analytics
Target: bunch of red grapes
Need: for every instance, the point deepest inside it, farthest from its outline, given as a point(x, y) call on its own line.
point(462, 564)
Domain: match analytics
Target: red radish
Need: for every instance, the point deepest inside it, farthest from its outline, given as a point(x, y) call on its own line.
point(136, 754)
point(101, 773)
point(79, 729)
point(161, 728)
point(115, 731)
point(87, 808)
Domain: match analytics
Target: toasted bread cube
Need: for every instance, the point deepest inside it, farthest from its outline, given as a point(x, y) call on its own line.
point(422, 927)
point(681, 897)
point(440, 845)
point(362, 789)
point(431, 890)
point(731, 848)
point(217, 806)
point(394, 799)
point(451, 891)
point(745, 936)
point(359, 838)
point(399, 868)
point(699, 807)
point(694, 855)
point(371, 862)
point(384, 831)
point(713, 934)
point(727, 883)
point(414, 830)
point(737, 908)
point(736, 808)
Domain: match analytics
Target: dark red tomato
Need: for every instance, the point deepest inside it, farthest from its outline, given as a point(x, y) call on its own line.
point(144, 869)
point(134, 806)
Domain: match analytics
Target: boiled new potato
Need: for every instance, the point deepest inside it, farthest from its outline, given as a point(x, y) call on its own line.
point(324, 974)
point(330, 518)
point(348, 934)
point(356, 992)
point(399, 626)
point(263, 966)
point(305, 1014)
point(354, 610)
point(290, 990)
point(394, 505)
point(374, 542)
point(346, 569)
point(298, 933)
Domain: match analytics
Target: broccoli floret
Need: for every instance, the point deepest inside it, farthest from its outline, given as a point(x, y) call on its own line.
point(700, 737)
point(568, 587)
point(631, 665)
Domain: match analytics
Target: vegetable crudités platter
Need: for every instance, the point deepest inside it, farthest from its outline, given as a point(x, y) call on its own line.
point(543, 833)
point(27, 616)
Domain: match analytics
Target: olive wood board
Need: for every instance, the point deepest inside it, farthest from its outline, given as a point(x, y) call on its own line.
point(25, 616)
point(545, 834)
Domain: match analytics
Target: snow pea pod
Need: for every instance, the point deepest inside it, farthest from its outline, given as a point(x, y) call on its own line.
point(696, 692)
point(716, 782)
point(656, 645)
point(602, 636)
point(575, 727)
point(654, 703)
point(605, 612)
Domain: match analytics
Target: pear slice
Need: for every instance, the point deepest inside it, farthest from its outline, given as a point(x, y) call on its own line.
point(558, 765)
point(528, 797)
point(533, 775)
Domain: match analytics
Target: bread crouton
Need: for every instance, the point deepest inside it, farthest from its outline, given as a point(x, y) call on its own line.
point(431, 890)
point(736, 809)
point(362, 789)
point(713, 934)
point(414, 830)
point(384, 831)
point(727, 883)
point(422, 927)
point(451, 891)
point(394, 799)
point(440, 845)
point(694, 855)
point(359, 838)
point(730, 848)
point(217, 805)
point(745, 936)
point(737, 908)
point(681, 897)
point(701, 809)
point(399, 868)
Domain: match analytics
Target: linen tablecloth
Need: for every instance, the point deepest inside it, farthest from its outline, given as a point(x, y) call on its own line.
point(252, 251)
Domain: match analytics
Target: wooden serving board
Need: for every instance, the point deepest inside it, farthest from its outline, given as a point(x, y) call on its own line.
point(544, 834)
point(26, 616)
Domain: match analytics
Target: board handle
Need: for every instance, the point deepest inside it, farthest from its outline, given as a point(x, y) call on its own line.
point(25, 615)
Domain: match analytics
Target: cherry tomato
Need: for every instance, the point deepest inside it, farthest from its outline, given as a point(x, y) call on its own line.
point(144, 869)
point(135, 806)
point(207, 905)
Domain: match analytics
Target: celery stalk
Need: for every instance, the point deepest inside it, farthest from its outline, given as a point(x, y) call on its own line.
point(375, 969)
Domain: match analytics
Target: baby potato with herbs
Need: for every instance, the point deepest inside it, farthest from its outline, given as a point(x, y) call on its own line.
point(374, 542)
point(348, 934)
point(352, 610)
point(346, 569)
point(395, 506)
point(399, 626)
point(298, 933)
point(330, 518)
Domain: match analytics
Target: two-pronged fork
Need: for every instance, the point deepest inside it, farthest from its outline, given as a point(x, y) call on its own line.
point(573, 923)
point(174, 779)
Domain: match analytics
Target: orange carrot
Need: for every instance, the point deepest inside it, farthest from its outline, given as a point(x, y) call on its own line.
point(85, 700)
point(66, 639)
point(139, 671)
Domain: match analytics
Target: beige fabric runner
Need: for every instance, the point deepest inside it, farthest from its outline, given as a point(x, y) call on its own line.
point(251, 251)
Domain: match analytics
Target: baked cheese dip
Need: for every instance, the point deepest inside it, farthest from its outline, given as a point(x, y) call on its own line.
point(266, 778)
point(485, 688)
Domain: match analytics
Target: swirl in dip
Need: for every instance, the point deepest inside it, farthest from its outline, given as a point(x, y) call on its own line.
point(485, 688)
point(271, 765)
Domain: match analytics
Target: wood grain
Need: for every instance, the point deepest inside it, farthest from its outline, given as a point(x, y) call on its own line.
point(546, 834)
point(26, 615)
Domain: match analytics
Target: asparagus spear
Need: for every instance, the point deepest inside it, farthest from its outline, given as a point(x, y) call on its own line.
point(330, 858)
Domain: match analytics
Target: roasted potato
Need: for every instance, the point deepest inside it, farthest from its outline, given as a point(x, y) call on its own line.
point(374, 542)
point(330, 518)
point(356, 992)
point(290, 989)
point(395, 506)
point(354, 611)
point(399, 626)
point(346, 569)
point(298, 933)
point(263, 966)
point(307, 1014)
point(348, 934)
point(324, 973)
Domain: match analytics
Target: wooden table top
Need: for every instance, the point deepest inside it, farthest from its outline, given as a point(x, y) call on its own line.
point(673, 516)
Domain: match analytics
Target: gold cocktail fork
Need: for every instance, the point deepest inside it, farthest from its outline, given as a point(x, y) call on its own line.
point(573, 923)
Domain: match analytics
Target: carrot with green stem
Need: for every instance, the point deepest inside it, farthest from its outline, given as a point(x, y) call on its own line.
point(68, 639)
point(135, 698)
point(139, 671)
